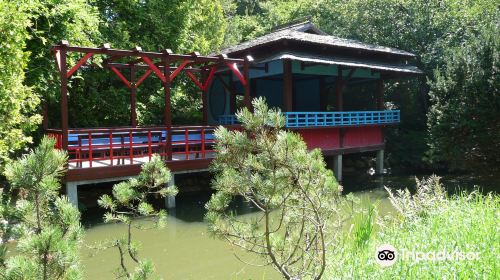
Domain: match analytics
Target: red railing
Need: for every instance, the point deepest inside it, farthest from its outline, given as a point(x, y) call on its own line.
point(96, 147)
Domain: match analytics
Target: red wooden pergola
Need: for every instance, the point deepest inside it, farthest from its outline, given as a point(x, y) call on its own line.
point(165, 65)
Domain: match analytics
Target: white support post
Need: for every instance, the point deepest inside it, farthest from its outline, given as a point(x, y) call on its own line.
point(337, 167)
point(72, 193)
point(170, 200)
point(379, 165)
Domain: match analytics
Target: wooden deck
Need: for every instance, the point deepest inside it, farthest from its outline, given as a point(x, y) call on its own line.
point(101, 153)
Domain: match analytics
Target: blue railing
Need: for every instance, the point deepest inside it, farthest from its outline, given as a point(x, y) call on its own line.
point(309, 119)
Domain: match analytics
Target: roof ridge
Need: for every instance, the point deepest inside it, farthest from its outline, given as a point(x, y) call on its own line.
point(300, 21)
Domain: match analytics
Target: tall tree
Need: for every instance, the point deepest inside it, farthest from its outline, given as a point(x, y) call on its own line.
point(296, 197)
point(46, 226)
point(464, 120)
point(51, 22)
point(17, 103)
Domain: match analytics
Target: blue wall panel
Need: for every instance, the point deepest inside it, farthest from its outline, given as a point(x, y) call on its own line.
point(272, 90)
point(306, 95)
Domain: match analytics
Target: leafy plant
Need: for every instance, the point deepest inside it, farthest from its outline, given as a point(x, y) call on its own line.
point(130, 202)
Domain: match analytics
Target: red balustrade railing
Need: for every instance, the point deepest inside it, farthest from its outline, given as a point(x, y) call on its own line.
point(96, 147)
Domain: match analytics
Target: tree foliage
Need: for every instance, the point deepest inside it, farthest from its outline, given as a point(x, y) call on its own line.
point(464, 120)
point(296, 197)
point(51, 22)
point(46, 226)
point(17, 104)
point(130, 202)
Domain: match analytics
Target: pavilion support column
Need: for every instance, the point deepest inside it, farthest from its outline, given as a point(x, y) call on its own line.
point(246, 74)
point(337, 167)
point(64, 95)
point(72, 193)
point(170, 200)
point(133, 98)
point(167, 115)
point(204, 100)
point(379, 165)
point(339, 88)
point(287, 85)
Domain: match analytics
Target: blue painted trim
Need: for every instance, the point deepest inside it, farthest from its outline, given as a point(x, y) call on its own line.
point(312, 119)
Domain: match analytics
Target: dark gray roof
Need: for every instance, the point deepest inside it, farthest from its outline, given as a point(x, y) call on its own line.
point(331, 60)
point(299, 33)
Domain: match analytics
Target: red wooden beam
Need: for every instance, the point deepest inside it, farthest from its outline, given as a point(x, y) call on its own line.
point(179, 69)
point(195, 80)
point(142, 78)
point(237, 72)
point(124, 80)
point(79, 64)
point(209, 78)
point(155, 69)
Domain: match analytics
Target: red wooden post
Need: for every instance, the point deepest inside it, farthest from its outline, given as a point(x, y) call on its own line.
point(380, 107)
point(167, 121)
point(64, 94)
point(133, 98)
point(204, 98)
point(287, 85)
point(246, 75)
point(339, 87)
point(90, 150)
point(149, 145)
point(111, 147)
point(186, 139)
point(131, 150)
point(202, 142)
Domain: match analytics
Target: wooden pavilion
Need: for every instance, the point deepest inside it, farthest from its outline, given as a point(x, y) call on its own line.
point(329, 89)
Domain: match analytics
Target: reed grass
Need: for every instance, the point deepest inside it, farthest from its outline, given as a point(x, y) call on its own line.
point(467, 222)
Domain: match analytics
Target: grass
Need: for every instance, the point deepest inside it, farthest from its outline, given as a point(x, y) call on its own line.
point(467, 222)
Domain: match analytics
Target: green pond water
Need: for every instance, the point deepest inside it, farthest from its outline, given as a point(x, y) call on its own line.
point(185, 250)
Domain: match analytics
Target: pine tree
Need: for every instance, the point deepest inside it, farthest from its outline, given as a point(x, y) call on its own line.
point(297, 198)
point(46, 226)
point(130, 202)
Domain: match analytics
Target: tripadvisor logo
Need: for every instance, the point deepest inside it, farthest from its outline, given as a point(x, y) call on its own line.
point(385, 255)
